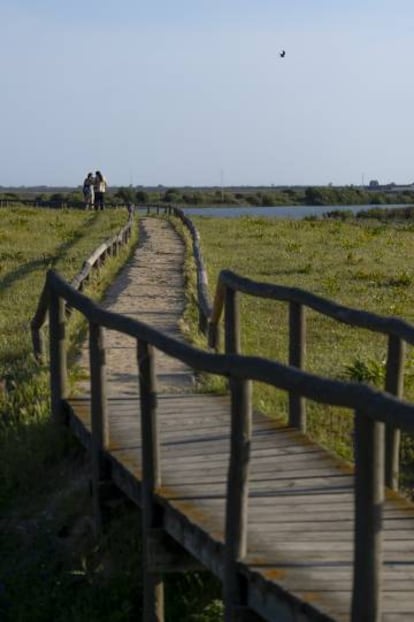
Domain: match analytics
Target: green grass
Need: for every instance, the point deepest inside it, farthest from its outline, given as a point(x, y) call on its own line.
point(367, 265)
point(36, 460)
point(52, 567)
point(31, 242)
point(34, 240)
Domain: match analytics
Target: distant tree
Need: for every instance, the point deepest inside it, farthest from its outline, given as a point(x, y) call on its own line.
point(377, 199)
point(253, 199)
point(171, 196)
point(57, 197)
point(268, 200)
point(142, 196)
point(76, 197)
point(313, 196)
point(125, 194)
point(192, 198)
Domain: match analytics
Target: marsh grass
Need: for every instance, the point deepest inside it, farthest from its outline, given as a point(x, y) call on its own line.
point(52, 567)
point(362, 264)
point(31, 242)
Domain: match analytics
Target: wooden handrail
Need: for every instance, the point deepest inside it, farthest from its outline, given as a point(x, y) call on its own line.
point(378, 405)
point(347, 315)
point(370, 405)
point(398, 331)
point(204, 305)
point(110, 246)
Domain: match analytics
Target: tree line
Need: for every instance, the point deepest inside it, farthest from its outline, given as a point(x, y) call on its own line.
point(267, 197)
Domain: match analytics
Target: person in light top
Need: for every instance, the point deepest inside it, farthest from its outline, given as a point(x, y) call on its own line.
point(100, 188)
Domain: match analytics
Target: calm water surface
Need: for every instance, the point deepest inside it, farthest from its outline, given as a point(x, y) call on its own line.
point(286, 211)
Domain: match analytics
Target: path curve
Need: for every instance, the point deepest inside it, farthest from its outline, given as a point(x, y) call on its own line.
point(150, 288)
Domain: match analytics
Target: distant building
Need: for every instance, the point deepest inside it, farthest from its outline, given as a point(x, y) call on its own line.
point(374, 183)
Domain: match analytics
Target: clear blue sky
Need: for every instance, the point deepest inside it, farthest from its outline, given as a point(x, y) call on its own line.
point(194, 92)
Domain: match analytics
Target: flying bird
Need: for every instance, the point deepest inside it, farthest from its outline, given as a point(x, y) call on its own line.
point(282, 54)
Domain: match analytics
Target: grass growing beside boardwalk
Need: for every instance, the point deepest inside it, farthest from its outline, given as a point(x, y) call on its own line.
point(367, 265)
point(52, 567)
point(41, 490)
point(32, 241)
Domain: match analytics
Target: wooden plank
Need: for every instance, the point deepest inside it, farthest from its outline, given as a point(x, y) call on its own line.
point(290, 508)
point(279, 517)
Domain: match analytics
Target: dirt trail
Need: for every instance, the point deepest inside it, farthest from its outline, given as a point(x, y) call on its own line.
point(150, 288)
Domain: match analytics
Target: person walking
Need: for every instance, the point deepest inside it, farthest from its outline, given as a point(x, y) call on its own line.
point(89, 191)
point(100, 188)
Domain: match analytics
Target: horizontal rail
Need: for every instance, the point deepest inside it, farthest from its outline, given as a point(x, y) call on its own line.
point(377, 404)
point(204, 304)
point(347, 315)
point(371, 407)
point(399, 333)
point(94, 260)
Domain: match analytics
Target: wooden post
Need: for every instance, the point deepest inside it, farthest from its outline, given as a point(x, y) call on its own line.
point(151, 479)
point(202, 286)
point(58, 360)
point(394, 383)
point(38, 341)
point(231, 322)
point(297, 353)
point(368, 535)
point(237, 497)
point(99, 416)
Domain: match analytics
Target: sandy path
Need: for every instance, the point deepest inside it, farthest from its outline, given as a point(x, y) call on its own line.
point(150, 288)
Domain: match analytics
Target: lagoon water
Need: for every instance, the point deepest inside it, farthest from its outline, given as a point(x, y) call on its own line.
point(285, 211)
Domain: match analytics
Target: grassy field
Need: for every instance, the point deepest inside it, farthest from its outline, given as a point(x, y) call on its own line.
point(52, 567)
point(367, 265)
point(41, 488)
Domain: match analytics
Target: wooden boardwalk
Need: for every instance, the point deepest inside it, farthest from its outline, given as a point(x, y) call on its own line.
point(301, 501)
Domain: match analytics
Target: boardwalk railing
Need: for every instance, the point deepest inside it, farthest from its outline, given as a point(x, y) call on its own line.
point(204, 306)
point(92, 264)
point(372, 410)
point(398, 331)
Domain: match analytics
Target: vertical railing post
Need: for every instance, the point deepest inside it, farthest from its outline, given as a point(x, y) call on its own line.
point(237, 498)
point(99, 416)
point(202, 287)
point(151, 479)
point(394, 383)
point(231, 321)
point(297, 353)
point(58, 355)
point(368, 535)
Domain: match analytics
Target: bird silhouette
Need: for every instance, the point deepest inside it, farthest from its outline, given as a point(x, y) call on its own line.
point(282, 54)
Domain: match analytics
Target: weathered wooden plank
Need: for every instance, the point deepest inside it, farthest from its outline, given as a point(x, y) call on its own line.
point(288, 509)
point(290, 531)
